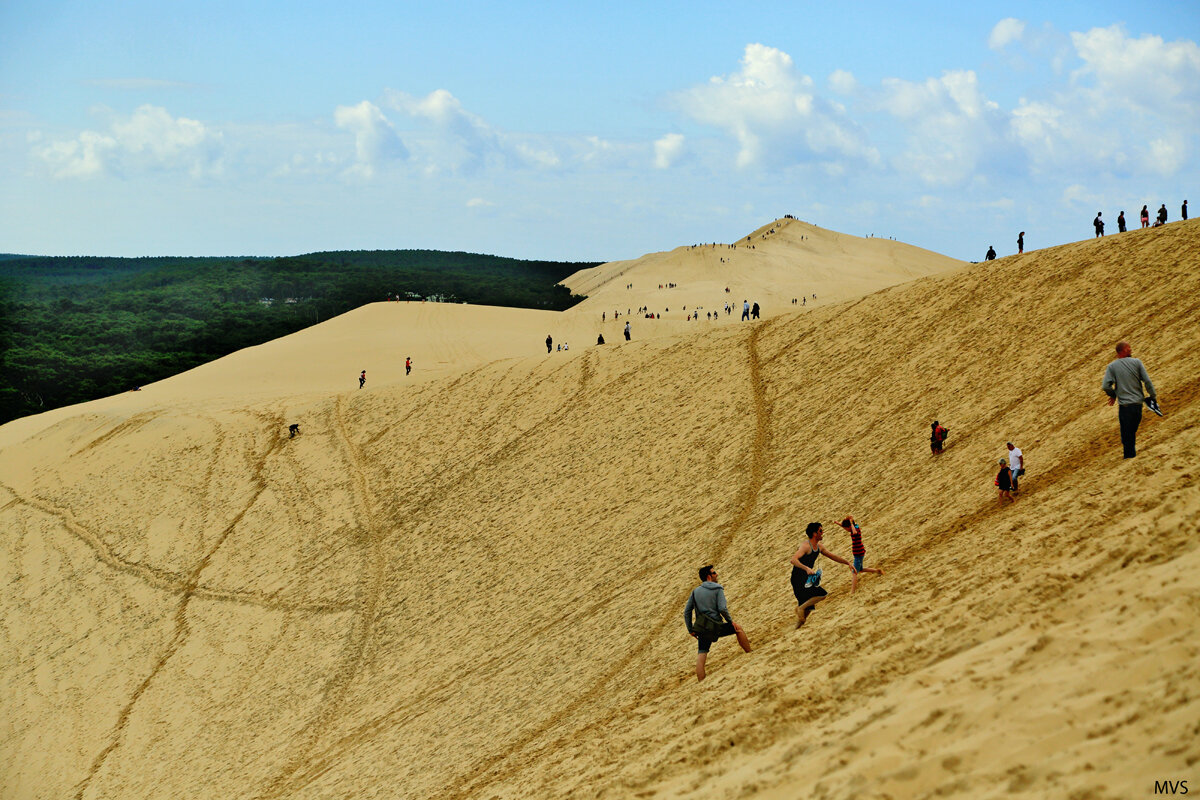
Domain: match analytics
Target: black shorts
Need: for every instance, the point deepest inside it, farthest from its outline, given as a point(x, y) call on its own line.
point(706, 640)
point(805, 593)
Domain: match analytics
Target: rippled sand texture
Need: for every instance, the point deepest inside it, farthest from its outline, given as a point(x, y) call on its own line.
point(470, 584)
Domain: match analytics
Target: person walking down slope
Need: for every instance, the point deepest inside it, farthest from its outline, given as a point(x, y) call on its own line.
point(754, 311)
point(1004, 483)
point(1123, 381)
point(745, 310)
point(937, 437)
point(549, 344)
point(627, 331)
point(1016, 464)
point(362, 378)
point(408, 365)
point(712, 620)
point(806, 580)
point(1145, 217)
point(991, 254)
point(1098, 224)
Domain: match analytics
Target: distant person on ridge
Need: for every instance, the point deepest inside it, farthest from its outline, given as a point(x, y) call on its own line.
point(707, 602)
point(1121, 222)
point(1145, 217)
point(1183, 211)
point(549, 344)
point(362, 379)
point(627, 330)
point(1123, 381)
point(1098, 224)
point(991, 254)
point(937, 437)
point(806, 581)
point(1162, 214)
point(1021, 243)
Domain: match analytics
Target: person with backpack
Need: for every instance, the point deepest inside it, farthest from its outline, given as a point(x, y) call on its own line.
point(712, 620)
point(1098, 224)
point(937, 437)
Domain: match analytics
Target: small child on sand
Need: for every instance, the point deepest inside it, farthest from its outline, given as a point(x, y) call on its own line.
point(858, 551)
point(1004, 483)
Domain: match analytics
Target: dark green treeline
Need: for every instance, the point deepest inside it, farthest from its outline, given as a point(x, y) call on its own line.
point(77, 328)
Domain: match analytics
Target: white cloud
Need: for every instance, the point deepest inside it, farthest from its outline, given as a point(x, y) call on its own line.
point(843, 82)
point(952, 126)
point(463, 140)
point(149, 139)
point(1146, 73)
point(479, 202)
point(667, 150)
point(771, 110)
point(1006, 31)
point(375, 140)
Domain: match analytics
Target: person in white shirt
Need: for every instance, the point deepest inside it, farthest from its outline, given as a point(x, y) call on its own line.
point(1016, 464)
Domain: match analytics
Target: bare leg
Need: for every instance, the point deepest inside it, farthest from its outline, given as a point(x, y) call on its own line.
point(742, 638)
point(700, 659)
point(804, 610)
point(853, 582)
point(872, 569)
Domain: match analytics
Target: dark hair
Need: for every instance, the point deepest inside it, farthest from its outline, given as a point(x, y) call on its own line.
point(846, 523)
point(812, 528)
point(705, 571)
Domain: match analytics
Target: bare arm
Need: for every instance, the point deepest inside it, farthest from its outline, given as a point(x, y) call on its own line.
point(833, 557)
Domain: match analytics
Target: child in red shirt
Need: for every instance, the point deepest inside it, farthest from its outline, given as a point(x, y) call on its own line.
point(857, 550)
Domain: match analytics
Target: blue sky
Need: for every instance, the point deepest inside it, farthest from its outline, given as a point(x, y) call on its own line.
point(538, 130)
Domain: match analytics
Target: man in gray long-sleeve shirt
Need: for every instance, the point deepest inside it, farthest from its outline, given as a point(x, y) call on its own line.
point(712, 617)
point(1123, 384)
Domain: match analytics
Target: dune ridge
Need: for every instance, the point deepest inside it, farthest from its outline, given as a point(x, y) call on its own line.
point(472, 586)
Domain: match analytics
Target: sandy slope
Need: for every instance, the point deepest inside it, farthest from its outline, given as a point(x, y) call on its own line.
point(471, 586)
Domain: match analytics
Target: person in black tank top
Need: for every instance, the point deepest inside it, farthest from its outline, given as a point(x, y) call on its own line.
point(806, 579)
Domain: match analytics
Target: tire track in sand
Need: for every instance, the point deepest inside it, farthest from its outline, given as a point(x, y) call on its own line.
point(498, 767)
point(338, 684)
point(411, 709)
point(182, 629)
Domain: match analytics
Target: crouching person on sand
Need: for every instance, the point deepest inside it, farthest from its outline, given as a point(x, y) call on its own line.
point(712, 617)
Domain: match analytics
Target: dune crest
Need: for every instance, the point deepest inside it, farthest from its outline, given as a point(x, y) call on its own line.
point(472, 585)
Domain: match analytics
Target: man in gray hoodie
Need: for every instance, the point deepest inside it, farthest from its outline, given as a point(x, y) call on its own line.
point(712, 617)
point(1123, 384)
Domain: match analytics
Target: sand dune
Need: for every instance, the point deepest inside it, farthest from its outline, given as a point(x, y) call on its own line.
point(471, 585)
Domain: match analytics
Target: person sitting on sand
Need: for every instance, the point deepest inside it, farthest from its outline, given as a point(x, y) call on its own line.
point(600, 339)
point(806, 580)
point(857, 550)
point(712, 622)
